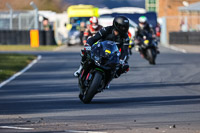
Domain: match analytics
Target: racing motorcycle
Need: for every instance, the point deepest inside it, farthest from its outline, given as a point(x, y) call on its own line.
point(147, 48)
point(98, 69)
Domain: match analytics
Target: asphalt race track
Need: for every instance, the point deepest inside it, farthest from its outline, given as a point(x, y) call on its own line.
point(164, 98)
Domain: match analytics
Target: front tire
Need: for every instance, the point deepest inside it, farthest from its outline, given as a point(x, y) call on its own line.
point(92, 90)
point(151, 56)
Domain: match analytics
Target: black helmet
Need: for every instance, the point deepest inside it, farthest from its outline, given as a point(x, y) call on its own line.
point(121, 24)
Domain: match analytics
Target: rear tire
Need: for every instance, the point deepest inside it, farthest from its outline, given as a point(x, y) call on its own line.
point(92, 90)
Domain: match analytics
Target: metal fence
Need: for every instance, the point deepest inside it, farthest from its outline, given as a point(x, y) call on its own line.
point(17, 20)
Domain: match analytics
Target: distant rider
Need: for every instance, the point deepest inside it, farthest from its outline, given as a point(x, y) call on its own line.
point(118, 33)
point(144, 28)
point(92, 29)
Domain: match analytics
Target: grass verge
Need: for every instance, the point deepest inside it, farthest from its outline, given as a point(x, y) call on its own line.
point(27, 48)
point(12, 63)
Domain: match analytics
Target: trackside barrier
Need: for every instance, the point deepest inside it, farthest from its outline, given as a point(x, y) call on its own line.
point(16, 37)
point(34, 36)
point(184, 38)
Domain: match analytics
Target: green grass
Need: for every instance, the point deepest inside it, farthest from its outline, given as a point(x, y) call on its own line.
point(12, 63)
point(27, 48)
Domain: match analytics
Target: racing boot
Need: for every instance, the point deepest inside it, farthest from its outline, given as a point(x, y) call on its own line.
point(118, 73)
point(121, 70)
point(77, 73)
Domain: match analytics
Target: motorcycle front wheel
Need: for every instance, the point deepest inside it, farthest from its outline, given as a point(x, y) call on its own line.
point(151, 56)
point(92, 89)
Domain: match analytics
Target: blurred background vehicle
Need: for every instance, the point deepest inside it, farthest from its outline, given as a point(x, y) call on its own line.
point(175, 22)
point(80, 13)
point(74, 35)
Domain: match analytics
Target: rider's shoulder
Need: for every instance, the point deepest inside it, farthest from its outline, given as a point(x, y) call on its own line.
point(100, 26)
point(107, 28)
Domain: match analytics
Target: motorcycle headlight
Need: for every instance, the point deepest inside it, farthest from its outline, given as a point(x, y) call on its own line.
point(96, 60)
point(97, 63)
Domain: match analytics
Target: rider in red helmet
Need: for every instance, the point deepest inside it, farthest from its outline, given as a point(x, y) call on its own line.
point(93, 28)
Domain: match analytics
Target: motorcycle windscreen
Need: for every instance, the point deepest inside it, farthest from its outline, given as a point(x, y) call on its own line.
point(107, 51)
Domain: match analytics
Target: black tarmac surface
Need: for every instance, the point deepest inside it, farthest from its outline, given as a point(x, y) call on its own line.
point(160, 98)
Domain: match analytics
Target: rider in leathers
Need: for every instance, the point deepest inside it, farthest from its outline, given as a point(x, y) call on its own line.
point(118, 33)
point(143, 29)
point(92, 29)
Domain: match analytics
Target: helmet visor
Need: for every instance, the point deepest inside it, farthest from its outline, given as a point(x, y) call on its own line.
point(143, 23)
point(122, 28)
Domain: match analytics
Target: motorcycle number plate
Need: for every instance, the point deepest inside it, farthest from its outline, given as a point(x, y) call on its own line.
point(146, 42)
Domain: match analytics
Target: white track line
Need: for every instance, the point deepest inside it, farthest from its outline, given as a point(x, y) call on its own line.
point(22, 71)
point(175, 48)
point(74, 131)
point(20, 128)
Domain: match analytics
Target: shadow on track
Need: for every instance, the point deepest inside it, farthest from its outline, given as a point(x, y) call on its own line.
point(151, 101)
point(150, 85)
